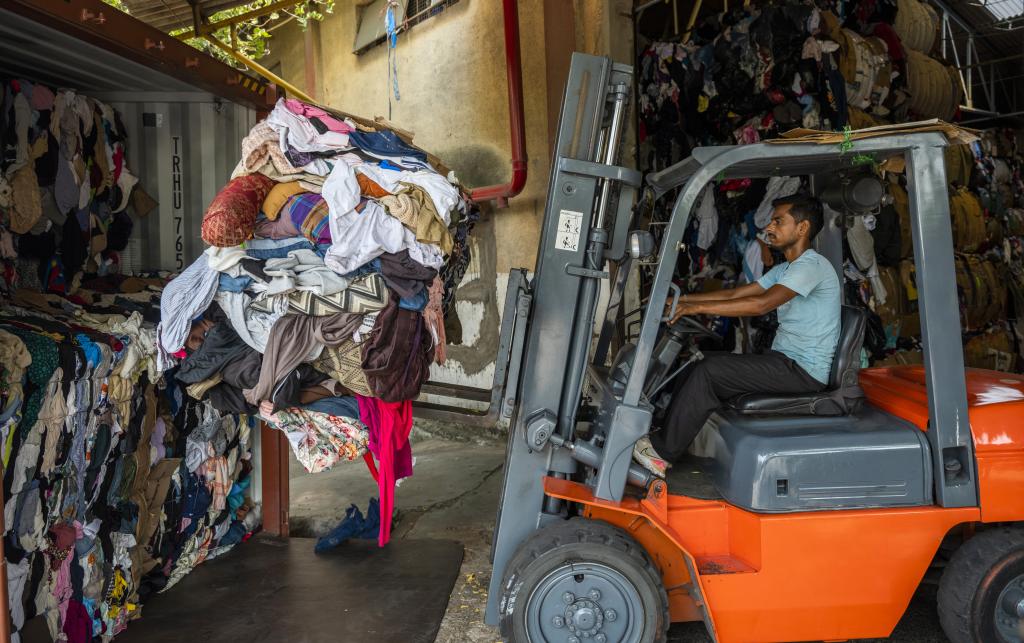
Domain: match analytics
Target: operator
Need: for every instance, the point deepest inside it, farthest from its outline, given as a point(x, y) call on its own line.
point(805, 291)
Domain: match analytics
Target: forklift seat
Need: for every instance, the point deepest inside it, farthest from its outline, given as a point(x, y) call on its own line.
point(843, 394)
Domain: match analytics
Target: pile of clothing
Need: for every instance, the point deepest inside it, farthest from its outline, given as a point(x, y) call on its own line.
point(67, 196)
point(115, 482)
point(749, 74)
point(115, 486)
point(334, 254)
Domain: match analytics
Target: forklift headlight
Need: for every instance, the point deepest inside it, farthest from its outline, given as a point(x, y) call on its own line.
point(641, 244)
point(857, 193)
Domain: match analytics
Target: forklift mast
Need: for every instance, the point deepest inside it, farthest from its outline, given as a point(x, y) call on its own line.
point(586, 222)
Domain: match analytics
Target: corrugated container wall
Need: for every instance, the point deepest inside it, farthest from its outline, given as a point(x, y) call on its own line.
point(183, 142)
point(183, 151)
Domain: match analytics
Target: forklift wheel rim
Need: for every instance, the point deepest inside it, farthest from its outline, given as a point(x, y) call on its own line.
point(564, 607)
point(1009, 616)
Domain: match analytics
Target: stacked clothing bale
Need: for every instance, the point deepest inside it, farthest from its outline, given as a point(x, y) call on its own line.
point(753, 72)
point(334, 254)
point(114, 487)
point(115, 483)
point(997, 179)
point(749, 73)
point(65, 187)
point(985, 187)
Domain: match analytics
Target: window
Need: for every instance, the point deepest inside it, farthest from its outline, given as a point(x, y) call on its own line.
point(1003, 9)
point(407, 14)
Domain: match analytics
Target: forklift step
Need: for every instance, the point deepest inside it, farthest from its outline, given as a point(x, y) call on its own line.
point(715, 565)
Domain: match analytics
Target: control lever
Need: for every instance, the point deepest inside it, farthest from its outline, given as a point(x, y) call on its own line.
point(676, 293)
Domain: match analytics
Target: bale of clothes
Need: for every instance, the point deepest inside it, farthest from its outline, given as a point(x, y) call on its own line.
point(321, 300)
point(753, 72)
point(750, 73)
point(115, 482)
point(66, 191)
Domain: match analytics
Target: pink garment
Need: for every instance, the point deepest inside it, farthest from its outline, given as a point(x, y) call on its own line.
point(42, 98)
point(310, 111)
point(389, 424)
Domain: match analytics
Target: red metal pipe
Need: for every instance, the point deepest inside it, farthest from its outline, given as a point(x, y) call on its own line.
point(517, 121)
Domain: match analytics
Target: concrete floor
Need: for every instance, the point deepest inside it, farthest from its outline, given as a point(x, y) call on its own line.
point(453, 495)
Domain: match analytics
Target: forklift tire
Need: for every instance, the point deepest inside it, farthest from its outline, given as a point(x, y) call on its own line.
point(583, 580)
point(981, 593)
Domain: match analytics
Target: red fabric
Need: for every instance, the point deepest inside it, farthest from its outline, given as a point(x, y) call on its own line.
point(118, 161)
point(77, 625)
point(733, 185)
point(390, 423)
point(231, 217)
point(891, 39)
point(371, 465)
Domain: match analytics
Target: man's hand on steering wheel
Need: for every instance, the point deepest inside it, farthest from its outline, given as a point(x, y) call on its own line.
point(682, 308)
point(685, 311)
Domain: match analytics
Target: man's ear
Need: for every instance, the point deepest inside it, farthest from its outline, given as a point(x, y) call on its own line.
point(804, 228)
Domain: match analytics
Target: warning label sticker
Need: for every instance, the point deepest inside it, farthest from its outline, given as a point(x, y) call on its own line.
point(569, 225)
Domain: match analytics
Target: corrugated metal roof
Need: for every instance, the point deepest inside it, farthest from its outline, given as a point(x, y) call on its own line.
point(1004, 9)
point(86, 45)
point(168, 15)
point(994, 40)
point(37, 52)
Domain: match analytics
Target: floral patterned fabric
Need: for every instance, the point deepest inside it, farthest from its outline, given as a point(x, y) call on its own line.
point(320, 441)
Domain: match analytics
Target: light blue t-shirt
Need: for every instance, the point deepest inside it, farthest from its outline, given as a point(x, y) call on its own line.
point(808, 323)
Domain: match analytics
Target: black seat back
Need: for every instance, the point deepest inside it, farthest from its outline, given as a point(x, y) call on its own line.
point(842, 396)
point(846, 363)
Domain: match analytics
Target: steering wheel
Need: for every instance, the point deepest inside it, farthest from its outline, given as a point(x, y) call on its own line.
point(690, 325)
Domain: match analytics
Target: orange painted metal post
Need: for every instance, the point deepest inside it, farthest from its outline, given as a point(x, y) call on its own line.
point(274, 472)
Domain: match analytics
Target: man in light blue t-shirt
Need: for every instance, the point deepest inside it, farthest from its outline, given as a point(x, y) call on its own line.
point(805, 291)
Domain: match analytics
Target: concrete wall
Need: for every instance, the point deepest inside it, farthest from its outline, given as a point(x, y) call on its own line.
point(452, 81)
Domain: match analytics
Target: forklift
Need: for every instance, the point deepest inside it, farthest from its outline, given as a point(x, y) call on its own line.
point(814, 520)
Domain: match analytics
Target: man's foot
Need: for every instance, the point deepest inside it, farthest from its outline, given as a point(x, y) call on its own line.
point(648, 458)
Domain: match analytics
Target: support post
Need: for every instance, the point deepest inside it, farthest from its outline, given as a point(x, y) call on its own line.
point(949, 429)
point(260, 69)
point(274, 472)
point(311, 44)
point(970, 71)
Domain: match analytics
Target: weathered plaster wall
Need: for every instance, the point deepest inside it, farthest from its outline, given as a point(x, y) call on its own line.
point(453, 87)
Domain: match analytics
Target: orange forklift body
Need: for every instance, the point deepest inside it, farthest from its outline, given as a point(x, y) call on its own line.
point(832, 575)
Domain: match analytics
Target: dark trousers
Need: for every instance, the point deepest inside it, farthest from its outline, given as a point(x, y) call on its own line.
point(708, 384)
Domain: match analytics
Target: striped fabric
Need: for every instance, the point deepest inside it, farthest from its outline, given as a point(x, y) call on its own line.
point(310, 214)
point(343, 363)
point(366, 294)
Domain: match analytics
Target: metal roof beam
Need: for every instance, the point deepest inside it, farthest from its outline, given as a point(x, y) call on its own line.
point(210, 27)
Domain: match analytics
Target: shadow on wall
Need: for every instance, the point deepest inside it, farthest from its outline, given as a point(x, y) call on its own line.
point(477, 165)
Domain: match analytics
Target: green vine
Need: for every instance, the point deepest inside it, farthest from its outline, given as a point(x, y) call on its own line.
point(847, 143)
point(252, 37)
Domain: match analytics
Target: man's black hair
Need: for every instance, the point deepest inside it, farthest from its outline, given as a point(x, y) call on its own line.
point(804, 208)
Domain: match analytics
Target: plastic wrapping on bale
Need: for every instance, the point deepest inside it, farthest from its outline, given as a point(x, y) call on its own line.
point(934, 88)
point(917, 25)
